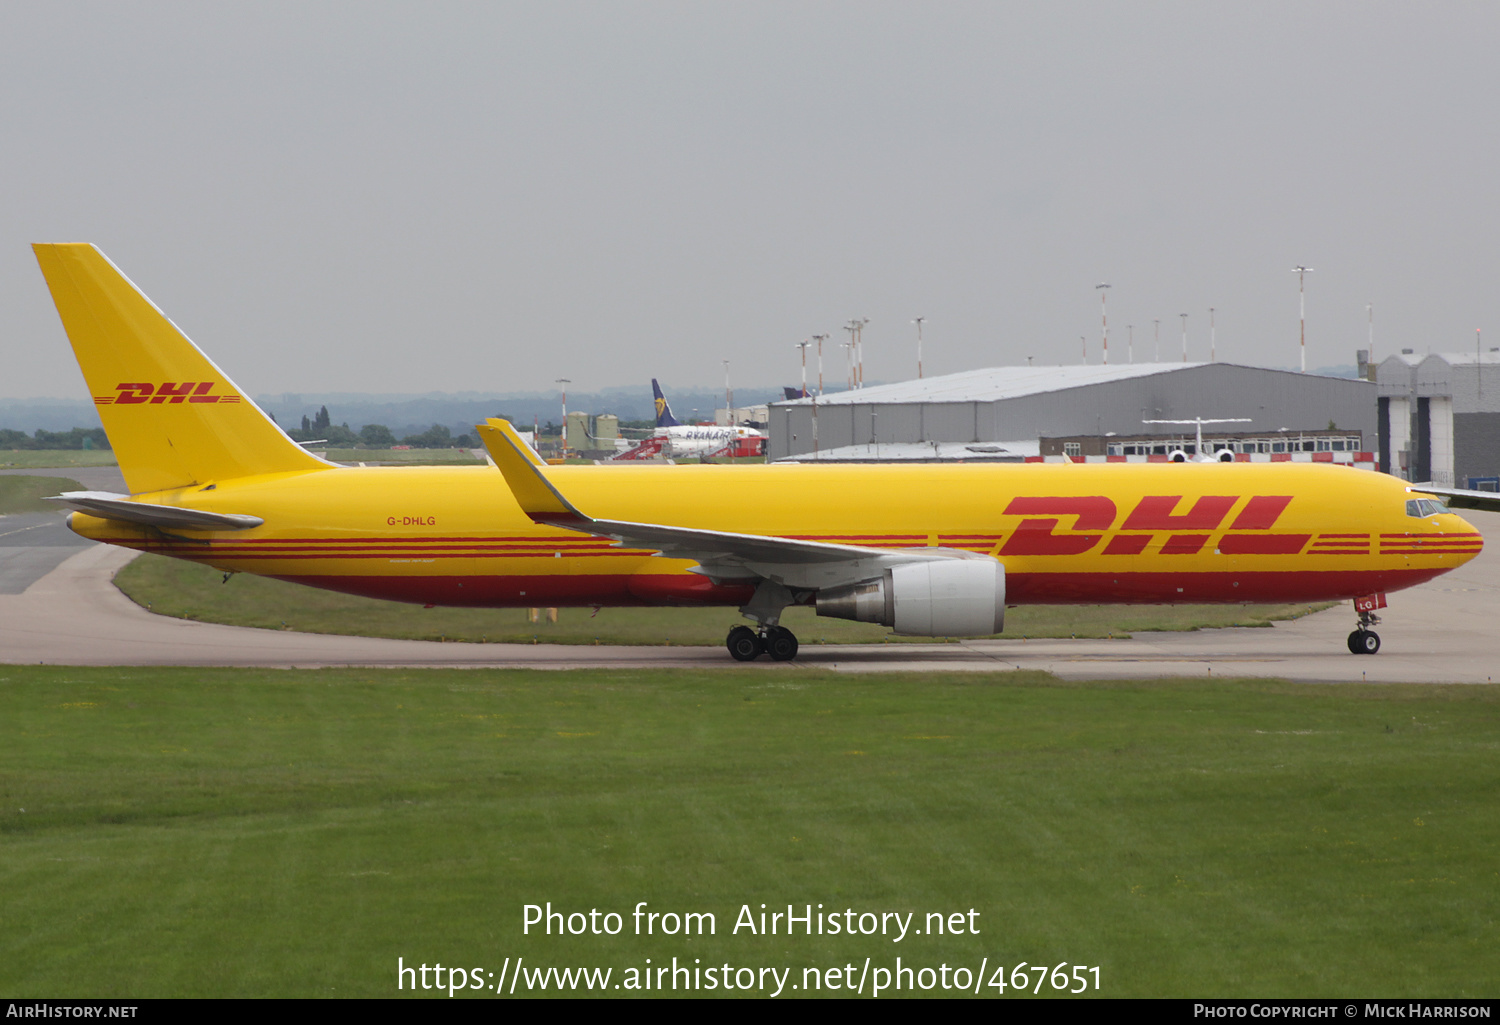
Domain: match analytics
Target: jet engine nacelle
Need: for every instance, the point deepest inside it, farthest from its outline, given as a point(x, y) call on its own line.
point(938, 598)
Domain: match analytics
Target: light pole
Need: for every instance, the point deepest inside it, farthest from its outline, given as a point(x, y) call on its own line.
point(918, 322)
point(1104, 317)
point(848, 348)
point(1157, 322)
point(856, 329)
point(564, 382)
point(1213, 351)
point(803, 346)
point(1130, 344)
point(1184, 336)
point(1302, 272)
point(728, 393)
point(819, 339)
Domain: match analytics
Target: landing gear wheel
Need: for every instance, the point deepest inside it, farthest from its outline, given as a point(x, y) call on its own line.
point(781, 644)
point(743, 644)
point(1364, 642)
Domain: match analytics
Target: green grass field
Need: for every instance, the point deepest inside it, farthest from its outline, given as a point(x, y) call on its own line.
point(185, 590)
point(201, 832)
point(23, 493)
point(26, 459)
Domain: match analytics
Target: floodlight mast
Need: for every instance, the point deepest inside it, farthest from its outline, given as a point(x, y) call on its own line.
point(1184, 336)
point(852, 327)
point(564, 382)
point(918, 322)
point(803, 346)
point(1199, 421)
point(1213, 349)
point(1301, 273)
point(856, 329)
point(819, 339)
point(1157, 322)
point(1104, 317)
point(728, 394)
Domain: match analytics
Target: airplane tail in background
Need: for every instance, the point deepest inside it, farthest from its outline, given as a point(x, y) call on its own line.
point(172, 417)
point(664, 417)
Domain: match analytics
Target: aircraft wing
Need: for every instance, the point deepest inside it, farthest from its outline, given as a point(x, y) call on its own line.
point(721, 553)
point(122, 507)
point(1461, 498)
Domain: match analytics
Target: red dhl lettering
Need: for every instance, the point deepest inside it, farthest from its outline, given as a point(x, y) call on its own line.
point(1039, 536)
point(1035, 537)
point(138, 392)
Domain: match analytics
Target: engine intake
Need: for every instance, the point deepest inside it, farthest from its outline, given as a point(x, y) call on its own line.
point(938, 598)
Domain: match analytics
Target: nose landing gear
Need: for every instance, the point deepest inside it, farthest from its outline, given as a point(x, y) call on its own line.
point(1364, 641)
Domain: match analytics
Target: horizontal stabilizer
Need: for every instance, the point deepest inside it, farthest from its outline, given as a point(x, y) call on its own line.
point(120, 507)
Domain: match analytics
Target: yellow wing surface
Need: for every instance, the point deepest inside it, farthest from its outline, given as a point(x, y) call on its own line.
point(846, 538)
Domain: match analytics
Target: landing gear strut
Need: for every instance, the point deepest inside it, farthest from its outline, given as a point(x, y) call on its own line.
point(1364, 641)
point(765, 608)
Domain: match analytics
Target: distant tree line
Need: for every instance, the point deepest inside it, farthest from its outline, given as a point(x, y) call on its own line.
point(316, 428)
point(319, 427)
point(78, 437)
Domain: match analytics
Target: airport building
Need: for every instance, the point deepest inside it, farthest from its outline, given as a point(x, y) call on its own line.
point(1013, 413)
point(1439, 418)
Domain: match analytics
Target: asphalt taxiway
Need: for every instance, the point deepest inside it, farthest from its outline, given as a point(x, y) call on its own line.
point(1440, 632)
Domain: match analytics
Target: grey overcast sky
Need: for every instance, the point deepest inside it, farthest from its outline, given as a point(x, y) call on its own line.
point(411, 197)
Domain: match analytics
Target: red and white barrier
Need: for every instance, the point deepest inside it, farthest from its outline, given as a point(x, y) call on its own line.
point(1358, 460)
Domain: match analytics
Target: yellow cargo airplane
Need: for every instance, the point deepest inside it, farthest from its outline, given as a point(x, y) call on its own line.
point(934, 550)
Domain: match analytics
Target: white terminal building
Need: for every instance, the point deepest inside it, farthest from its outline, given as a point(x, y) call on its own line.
point(1439, 418)
point(1086, 412)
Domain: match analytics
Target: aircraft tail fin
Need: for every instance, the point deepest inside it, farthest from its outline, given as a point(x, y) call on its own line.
point(173, 418)
point(664, 417)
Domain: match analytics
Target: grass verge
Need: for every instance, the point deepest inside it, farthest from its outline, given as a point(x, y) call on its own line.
point(197, 832)
point(189, 591)
point(21, 493)
point(44, 458)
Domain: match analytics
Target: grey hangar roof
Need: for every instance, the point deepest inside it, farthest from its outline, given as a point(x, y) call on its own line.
point(999, 404)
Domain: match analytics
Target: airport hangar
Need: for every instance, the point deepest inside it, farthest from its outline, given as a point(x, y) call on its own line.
point(1090, 413)
point(1439, 418)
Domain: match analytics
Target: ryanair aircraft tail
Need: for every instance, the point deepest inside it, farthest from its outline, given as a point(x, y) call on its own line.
point(173, 418)
point(664, 417)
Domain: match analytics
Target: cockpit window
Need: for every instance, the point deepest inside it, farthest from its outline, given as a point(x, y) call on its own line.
point(1420, 507)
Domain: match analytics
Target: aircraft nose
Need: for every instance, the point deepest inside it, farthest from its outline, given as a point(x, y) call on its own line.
point(1466, 531)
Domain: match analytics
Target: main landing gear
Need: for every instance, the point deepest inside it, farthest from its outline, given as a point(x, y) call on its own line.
point(746, 645)
point(1364, 641)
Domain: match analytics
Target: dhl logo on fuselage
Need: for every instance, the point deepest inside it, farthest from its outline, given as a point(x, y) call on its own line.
point(1187, 532)
point(137, 393)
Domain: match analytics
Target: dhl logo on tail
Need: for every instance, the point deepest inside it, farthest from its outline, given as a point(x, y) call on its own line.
point(137, 393)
